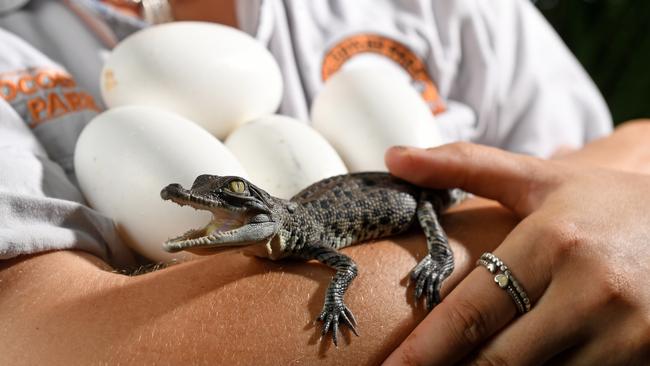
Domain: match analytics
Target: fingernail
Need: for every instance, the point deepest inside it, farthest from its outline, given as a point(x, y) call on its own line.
point(402, 148)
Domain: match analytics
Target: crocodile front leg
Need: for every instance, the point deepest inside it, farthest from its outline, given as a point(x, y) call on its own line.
point(334, 310)
point(436, 266)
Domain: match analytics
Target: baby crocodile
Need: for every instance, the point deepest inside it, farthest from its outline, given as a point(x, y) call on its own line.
point(333, 213)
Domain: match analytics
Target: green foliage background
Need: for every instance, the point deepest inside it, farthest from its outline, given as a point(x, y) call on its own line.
point(611, 38)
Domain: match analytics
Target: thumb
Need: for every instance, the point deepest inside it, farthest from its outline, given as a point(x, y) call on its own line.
point(519, 182)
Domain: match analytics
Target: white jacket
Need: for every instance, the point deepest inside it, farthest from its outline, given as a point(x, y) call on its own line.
point(494, 72)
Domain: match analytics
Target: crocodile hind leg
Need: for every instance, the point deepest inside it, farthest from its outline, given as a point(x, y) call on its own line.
point(436, 266)
point(334, 310)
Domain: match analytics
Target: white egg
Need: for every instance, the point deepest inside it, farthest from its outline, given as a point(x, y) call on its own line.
point(216, 76)
point(283, 155)
point(364, 111)
point(124, 158)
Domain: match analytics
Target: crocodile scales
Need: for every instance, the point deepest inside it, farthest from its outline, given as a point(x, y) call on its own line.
point(330, 214)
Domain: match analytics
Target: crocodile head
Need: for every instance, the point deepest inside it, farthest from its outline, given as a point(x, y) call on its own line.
point(243, 214)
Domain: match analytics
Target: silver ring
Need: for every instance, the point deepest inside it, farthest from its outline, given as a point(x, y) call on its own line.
point(506, 280)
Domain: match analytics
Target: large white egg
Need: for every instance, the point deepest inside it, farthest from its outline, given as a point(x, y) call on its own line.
point(124, 158)
point(216, 76)
point(283, 155)
point(364, 111)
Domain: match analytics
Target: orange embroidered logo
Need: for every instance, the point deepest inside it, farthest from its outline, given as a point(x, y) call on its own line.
point(40, 95)
point(399, 53)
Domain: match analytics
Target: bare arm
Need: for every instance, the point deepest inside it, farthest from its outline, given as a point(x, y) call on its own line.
point(626, 149)
point(223, 309)
point(230, 309)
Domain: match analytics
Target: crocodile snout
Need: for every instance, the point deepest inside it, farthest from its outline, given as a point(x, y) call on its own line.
point(170, 191)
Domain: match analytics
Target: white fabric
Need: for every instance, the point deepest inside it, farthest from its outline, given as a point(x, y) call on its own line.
point(503, 74)
point(498, 60)
point(40, 208)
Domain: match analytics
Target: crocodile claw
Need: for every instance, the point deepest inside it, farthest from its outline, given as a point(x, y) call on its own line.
point(333, 315)
point(428, 281)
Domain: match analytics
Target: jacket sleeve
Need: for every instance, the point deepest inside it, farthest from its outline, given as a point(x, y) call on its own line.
point(532, 95)
point(40, 209)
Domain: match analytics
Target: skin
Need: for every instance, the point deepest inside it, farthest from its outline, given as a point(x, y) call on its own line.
point(221, 11)
point(232, 309)
point(581, 252)
point(221, 309)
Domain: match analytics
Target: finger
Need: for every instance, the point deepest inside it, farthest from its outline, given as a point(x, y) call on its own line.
point(475, 310)
point(519, 182)
point(545, 332)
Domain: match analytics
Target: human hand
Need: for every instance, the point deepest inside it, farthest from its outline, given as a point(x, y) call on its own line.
point(581, 252)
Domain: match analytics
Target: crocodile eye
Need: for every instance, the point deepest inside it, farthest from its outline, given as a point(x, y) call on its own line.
point(237, 186)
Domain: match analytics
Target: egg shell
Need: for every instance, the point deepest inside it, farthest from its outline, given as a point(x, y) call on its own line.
point(364, 111)
point(126, 155)
point(216, 76)
point(283, 155)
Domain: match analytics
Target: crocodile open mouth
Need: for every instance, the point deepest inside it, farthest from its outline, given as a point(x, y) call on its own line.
point(221, 221)
point(225, 218)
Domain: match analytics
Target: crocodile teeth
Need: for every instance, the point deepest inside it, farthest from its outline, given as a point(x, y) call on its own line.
point(221, 222)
